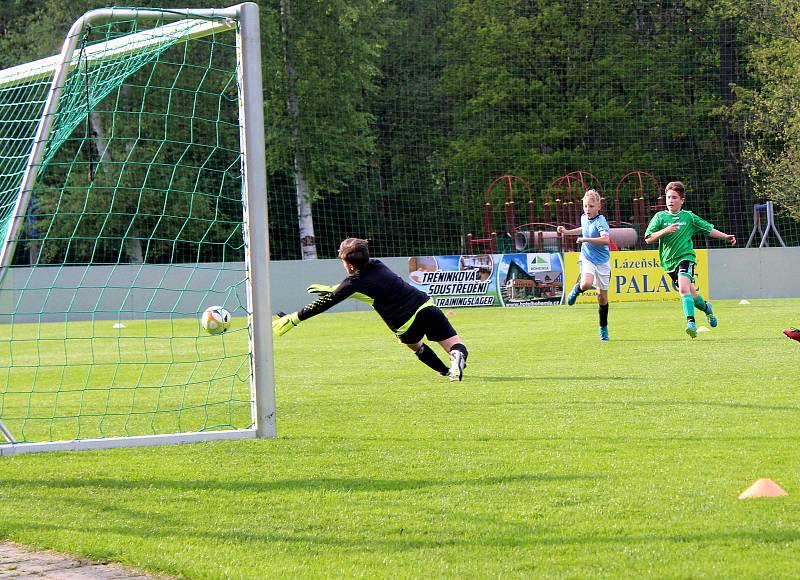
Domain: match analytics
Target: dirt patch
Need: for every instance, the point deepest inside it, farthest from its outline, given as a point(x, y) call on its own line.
point(20, 562)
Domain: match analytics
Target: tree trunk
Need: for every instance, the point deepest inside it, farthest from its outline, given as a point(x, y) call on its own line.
point(133, 244)
point(737, 197)
point(305, 220)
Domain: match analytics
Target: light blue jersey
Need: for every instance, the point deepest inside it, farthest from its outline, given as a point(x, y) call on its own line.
point(595, 228)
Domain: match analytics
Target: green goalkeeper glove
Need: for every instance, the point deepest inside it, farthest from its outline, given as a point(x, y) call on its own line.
point(285, 323)
point(320, 289)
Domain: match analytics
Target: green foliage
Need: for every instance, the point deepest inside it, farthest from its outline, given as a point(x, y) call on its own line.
point(410, 188)
point(569, 86)
point(626, 463)
point(153, 174)
point(408, 110)
point(334, 48)
point(770, 111)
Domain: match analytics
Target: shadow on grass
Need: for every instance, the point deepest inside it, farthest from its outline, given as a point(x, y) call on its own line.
point(399, 539)
point(596, 378)
point(705, 337)
point(346, 484)
point(671, 403)
point(633, 403)
point(112, 501)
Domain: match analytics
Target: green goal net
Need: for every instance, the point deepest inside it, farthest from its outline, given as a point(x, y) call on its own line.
point(132, 197)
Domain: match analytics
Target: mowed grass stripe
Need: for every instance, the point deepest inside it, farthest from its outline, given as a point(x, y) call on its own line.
point(556, 456)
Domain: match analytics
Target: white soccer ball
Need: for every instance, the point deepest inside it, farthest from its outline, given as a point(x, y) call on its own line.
point(215, 320)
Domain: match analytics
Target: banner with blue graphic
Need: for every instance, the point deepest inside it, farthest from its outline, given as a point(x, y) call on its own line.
point(489, 279)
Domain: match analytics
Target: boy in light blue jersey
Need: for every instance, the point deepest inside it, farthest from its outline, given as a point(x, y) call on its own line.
point(594, 236)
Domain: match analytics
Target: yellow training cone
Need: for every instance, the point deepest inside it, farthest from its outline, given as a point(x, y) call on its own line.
point(763, 488)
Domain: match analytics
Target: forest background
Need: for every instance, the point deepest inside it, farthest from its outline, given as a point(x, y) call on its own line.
point(389, 120)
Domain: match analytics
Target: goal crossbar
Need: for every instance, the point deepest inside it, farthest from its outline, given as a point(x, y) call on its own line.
point(183, 31)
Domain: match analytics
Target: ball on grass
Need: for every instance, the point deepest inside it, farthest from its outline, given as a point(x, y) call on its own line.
point(215, 320)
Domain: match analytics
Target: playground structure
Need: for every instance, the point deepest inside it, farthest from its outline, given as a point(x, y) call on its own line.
point(646, 197)
point(764, 231)
point(493, 242)
point(637, 196)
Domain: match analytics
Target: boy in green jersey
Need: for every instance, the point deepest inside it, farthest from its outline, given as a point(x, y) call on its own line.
point(673, 229)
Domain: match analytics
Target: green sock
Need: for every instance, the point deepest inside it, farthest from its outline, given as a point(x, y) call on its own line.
point(688, 305)
point(700, 303)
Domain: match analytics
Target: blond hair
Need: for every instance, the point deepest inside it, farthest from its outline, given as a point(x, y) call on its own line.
point(592, 195)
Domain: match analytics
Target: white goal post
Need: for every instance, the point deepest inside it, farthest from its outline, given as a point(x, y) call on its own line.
point(242, 22)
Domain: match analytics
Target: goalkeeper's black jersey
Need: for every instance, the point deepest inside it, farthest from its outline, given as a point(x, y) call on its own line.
point(395, 300)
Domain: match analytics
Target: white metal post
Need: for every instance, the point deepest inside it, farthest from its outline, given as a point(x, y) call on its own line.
point(7, 433)
point(251, 119)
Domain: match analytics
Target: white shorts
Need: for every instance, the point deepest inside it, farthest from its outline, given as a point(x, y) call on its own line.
point(600, 272)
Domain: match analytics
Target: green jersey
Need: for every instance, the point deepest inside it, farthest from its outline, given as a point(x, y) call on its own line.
point(676, 247)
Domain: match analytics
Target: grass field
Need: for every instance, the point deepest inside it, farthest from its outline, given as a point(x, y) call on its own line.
point(557, 456)
point(86, 379)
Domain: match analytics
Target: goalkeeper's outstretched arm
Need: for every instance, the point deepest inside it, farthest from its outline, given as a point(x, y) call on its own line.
point(328, 297)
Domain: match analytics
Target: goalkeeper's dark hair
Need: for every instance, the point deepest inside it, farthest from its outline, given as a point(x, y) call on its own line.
point(354, 251)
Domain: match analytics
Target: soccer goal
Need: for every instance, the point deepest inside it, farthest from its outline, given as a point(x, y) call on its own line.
point(133, 197)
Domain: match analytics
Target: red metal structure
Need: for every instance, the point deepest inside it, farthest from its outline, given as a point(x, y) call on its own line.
point(567, 195)
point(503, 188)
point(637, 197)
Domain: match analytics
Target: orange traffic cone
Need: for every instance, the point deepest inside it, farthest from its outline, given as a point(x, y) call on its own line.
point(763, 488)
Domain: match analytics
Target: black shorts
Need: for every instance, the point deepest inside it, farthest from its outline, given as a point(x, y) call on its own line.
point(685, 268)
point(430, 322)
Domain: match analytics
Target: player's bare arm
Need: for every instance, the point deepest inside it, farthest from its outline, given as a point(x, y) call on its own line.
point(656, 235)
point(715, 233)
point(561, 230)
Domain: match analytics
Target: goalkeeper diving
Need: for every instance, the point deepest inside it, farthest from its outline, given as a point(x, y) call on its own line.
point(408, 312)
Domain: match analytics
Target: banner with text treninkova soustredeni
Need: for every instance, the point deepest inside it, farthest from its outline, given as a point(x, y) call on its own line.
point(489, 279)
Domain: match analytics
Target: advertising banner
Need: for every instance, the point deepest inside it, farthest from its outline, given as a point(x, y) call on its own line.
point(489, 279)
point(635, 276)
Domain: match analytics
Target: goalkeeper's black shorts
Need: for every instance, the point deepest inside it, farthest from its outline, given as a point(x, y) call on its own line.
point(430, 322)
